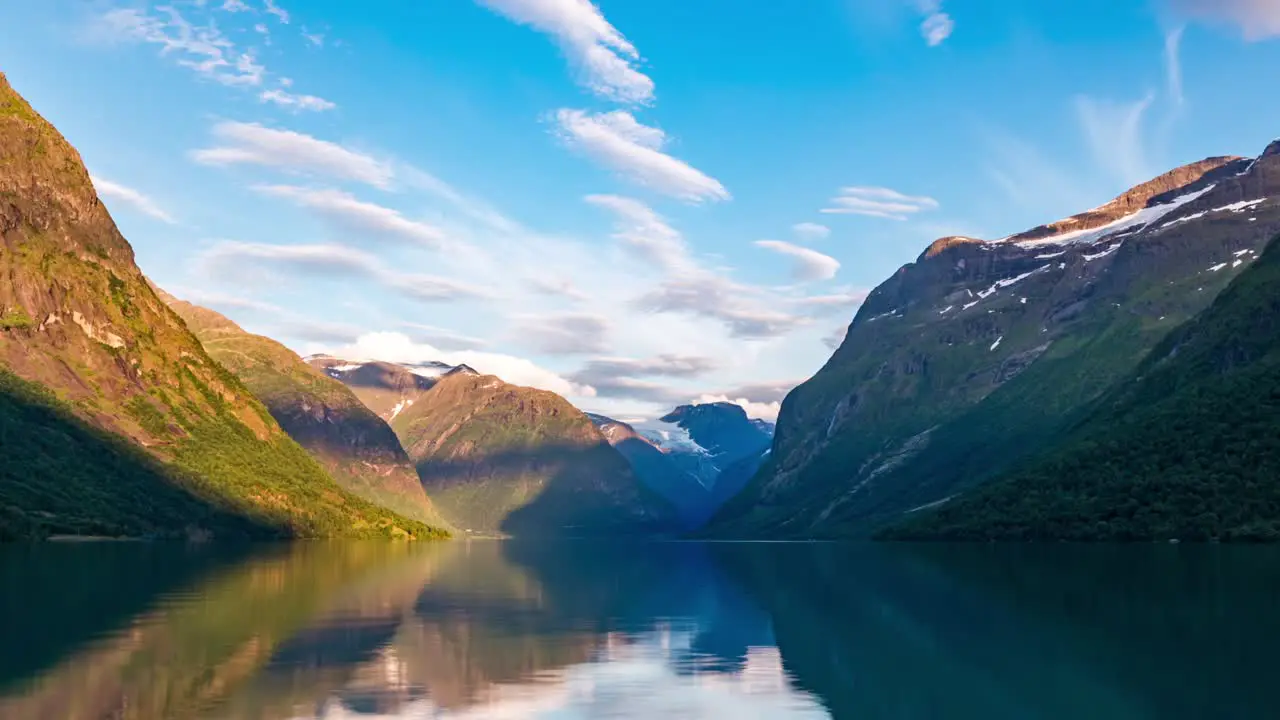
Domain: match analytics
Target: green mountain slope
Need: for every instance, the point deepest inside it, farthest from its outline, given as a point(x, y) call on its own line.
point(355, 446)
point(497, 458)
point(86, 345)
point(980, 354)
point(1187, 447)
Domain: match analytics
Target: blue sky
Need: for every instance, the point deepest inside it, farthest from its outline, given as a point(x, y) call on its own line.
point(630, 203)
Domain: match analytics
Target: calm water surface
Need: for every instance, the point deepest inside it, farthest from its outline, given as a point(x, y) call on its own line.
point(662, 630)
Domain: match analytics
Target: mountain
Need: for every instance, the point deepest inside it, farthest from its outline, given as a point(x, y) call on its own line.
point(385, 388)
point(980, 354)
point(113, 418)
point(673, 474)
point(497, 458)
point(1184, 447)
point(722, 429)
point(354, 445)
point(697, 456)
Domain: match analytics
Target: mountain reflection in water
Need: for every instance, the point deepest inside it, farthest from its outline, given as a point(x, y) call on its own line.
point(636, 630)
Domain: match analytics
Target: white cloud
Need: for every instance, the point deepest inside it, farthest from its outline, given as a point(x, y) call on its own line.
point(251, 143)
point(296, 102)
point(606, 59)
point(810, 231)
point(203, 49)
point(1114, 132)
point(348, 214)
point(234, 259)
point(316, 39)
point(646, 233)
point(633, 150)
point(878, 202)
point(1257, 19)
point(810, 265)
point(132, 198)
point(274, 9)
point(397, 347)
point(234, 6)
point(937, 25)
point(763, 411)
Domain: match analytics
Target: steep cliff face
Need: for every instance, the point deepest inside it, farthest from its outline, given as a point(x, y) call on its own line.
point(980, 353)
point(498, 458)
point(96, 368)
point(354, 445)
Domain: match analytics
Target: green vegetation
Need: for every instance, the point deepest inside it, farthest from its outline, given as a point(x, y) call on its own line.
point(15, 318)
point(503, 459)
point(948, 378)
point(1187, 447)
point(321, 414)
point(113, 419)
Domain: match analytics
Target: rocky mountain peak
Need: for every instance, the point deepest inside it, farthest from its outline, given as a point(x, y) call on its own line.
point(1161, 190)
point(941, 244)
point(1273, 149)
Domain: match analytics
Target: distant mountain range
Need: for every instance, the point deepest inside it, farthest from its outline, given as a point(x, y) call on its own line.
point(982, 390)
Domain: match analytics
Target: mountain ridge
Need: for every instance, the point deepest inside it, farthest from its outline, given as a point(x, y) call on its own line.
point(976, 354)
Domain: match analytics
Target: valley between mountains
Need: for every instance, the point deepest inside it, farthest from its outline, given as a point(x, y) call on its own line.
point(1111, 376)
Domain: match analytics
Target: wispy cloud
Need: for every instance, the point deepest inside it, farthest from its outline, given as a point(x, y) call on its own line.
point(348, 214)
point(645, 232)
point(844, 302)
point(292, 101)
point(230, 258)
point(1114, 133)
point(617, 377)
point(131, 197)
point(603, 55)
point(633, 150)
point(563, 333)
point(810, 231)
point(879, 202)
point(204, 49)
point(810, 265)
point(1257, 19)
point(937, 25)
point(443, 338)
point(273, 9)
point(251, 143)
point(1173, 63)
point(719, 299)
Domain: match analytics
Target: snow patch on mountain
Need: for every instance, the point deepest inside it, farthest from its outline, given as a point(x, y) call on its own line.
point(1132, 222)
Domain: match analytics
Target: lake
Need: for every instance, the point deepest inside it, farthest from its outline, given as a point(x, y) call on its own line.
point(637, 630)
